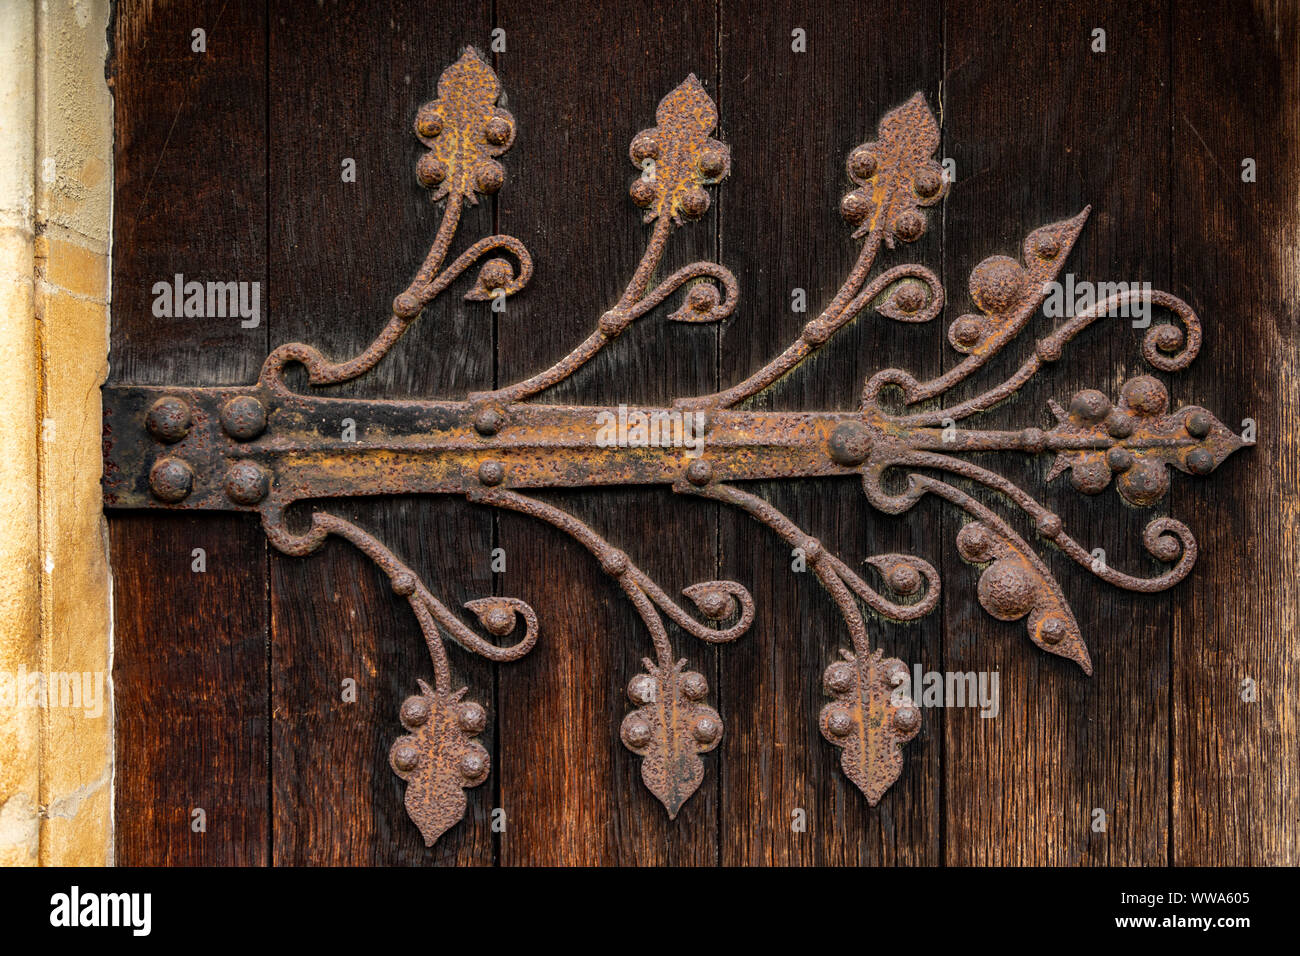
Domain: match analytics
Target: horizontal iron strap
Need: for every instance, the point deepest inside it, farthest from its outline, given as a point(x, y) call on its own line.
point(211, 440)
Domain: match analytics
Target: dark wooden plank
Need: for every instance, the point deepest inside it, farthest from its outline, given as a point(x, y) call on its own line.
point(792, 119)
point(189, 185)
point(189, 684)
point(348, 85)
point(1040, 126)
point(189, 649)
point(1236, 95)
point(583, 80)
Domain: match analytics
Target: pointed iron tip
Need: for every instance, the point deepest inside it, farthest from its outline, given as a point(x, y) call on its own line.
point(1059, 465)
point(918, 100)
point(692, 82)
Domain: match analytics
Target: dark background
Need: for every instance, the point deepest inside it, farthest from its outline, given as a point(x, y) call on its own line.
point(227, 683)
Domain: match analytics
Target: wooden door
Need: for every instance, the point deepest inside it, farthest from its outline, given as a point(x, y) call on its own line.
point(230, 681)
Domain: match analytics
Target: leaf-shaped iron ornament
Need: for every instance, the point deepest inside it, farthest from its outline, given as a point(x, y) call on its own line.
point(869, 720)
point(265, 447)
point(464, 130)
point(438, 759)
point(896, 175)
point(1137, 440)
point(669, 730)
point(678, 158)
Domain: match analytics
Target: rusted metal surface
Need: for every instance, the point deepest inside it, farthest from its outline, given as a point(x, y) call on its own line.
point(263, 447)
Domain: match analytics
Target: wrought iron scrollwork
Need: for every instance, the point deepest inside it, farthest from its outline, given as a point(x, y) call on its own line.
point(494, 446)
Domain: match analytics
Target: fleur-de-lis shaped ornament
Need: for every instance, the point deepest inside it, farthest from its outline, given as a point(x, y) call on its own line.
point(678, 158)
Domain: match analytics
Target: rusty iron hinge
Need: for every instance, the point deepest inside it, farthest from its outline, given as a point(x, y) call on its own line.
point(263, 447)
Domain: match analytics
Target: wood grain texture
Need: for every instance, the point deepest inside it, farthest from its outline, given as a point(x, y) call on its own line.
point(582, 82)
point(190, 649)
point(340, 252)
point(1040, 126)
point(793, 118)
point(189, 184)
point(1236, 95)
point(189, 681)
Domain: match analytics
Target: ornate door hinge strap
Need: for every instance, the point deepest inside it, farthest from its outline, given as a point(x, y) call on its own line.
point(263, 447)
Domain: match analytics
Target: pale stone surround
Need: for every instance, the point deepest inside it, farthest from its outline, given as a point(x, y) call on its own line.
point(56, 190)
